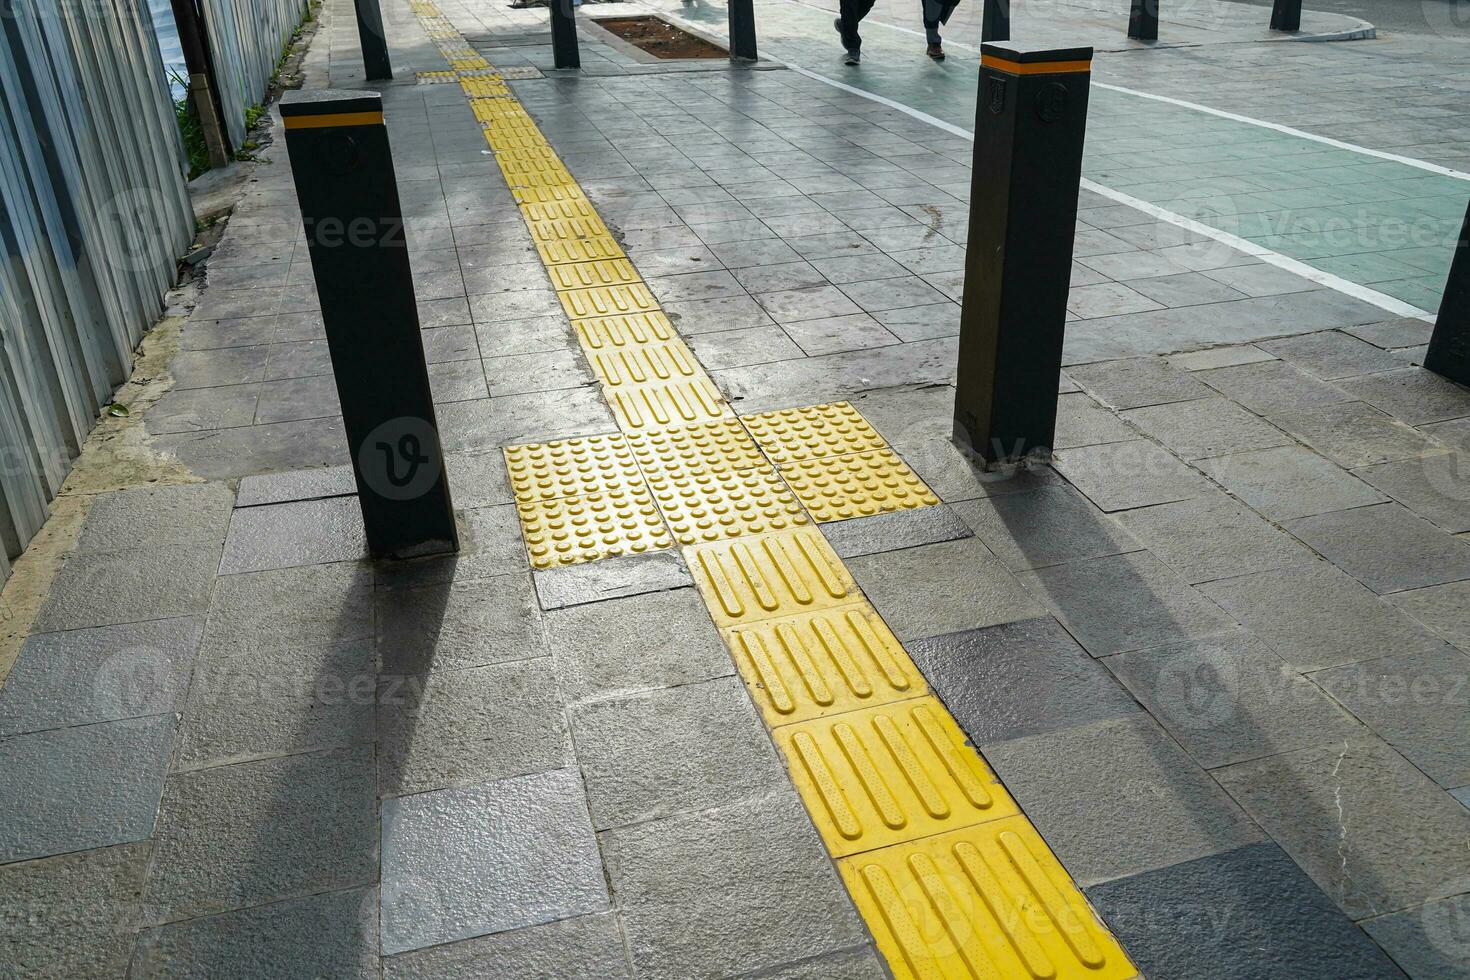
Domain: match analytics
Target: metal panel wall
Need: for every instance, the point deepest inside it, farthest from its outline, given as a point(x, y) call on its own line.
point(246, 39)
point(94, 212)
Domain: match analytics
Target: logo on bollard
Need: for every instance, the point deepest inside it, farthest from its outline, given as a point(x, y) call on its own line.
point(1051, 102)
point(396, 459)
point(997, 92)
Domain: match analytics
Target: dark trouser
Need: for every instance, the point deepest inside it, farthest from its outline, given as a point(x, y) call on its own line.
point(933, 16)
point(853, 11)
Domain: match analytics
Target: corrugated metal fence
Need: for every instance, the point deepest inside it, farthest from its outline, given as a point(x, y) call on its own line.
point(94, 213)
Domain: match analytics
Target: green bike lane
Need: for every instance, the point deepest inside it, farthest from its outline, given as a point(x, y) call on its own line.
point(1377, 223)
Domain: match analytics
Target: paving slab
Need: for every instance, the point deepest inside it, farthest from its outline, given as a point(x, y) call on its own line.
point(894, 531)
point(74, 789)
point(105, 588)
point(1273, 387)
point(1445, 609)
point(1289, 481)
point(1386, 547)
point(484, 859)
point(1122, 475)
point(1238, 915)
point(942, 588)
point(1212, 537)
point(303, 532)
point(632, 644)
point(151, 517)
point(586, 947)
point(462, 727)
point(1018, 679)
point(1332, 355)
point(458, 624)
point(334, 934)
point(72, 915)
point(738, 889)
point(1125, 602)
point(1049, 526)
point(610, 578)
point(1429, 941)
point(1412, 394)
point(657, 753)
point(488, 423)
point(280, 607)
point(1137, 382)
point(312, 484)
point(1117, 797)
point(243, 835)
point(1206, 427)
point(1357, 434)
point(1081, 421)
point(1349, 813)
point(1436, 488)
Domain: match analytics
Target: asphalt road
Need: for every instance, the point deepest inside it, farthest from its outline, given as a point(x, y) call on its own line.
point(1447, 18)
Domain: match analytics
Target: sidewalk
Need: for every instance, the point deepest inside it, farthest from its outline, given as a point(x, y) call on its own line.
point(1206, 674)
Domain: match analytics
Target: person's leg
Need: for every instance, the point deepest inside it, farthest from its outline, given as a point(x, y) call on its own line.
point(933, 11)
point(853, 11)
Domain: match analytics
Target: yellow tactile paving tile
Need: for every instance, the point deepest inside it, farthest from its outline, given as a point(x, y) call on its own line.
point(822, 663)
point(779, 574)
point(526, 137)
point(523, 167)
point(669, 360)
point(469, 64)
point(708, 447)
point(631, 330)
point(566, 252)
point(578, 210)
point(565, 229)
point(643, 408)
point(985, 903)
point(633, 297)
point(835, 429)
point(889, 774)
point(590, 275)
point(835, 488)
point(483, 86)
point(557, 193)
point(569, 530)
point(727, 504)
point(572, 468)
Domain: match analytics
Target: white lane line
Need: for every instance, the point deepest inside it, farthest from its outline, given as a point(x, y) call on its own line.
point(1381, 300)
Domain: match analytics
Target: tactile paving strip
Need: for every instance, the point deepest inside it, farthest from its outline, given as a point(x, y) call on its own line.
point(727, 504)
point(654, 406)
point(608, 300)
point(989, 901)
point(778, 574)
point(835, 488)
point(602, 332)
point(579, 250)
point(569, 530)
point(823, 663)
point(649, 363)
point(572, 468)
point(589, 275)
point(708, 447)
point(566, 229)
point(792, 434)
point(889, 774)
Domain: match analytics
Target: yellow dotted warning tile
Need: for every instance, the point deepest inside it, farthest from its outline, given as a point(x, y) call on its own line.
point(604, 332)
point(565, 229)
point(633, 297)
point(728, 504)
point(835, 488)
point(666, 361)
point(643, 408)
point(889, 774)
point(780, 574)
point(823, 663)
point(579, 250)
point(569, 530)
point(709, 447)
point(812, 432)
point(572, 468)
point(590, 275)
point(983, 903)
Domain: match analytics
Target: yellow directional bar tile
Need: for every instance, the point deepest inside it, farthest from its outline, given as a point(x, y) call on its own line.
point(666, 361)
point(579, 250)
point(495, 110)
point(565, 229)
point(466, 64)
point(812, 432)
point(643, 408)
point(632, 297)
point(572, 468)
point(779, 574)
point(835, 488)
point(718, 446)
point(631, 330)
point(889, 774)
point(725, 504)
point(984, 903)
point(527, 137)
point(483, 86)
point(548, 194)
point(589, 275)
point(579, 210)
point(823, 663)
point(569, 530)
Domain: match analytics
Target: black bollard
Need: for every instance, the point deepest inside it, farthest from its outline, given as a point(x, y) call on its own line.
point(359, 256)
point(1286, 15)
point(741, 19)
point(374, 42)
point(1143, 20)
point(1029, 126)
point(564, 35)
point(995, 20)
point(1449, 345)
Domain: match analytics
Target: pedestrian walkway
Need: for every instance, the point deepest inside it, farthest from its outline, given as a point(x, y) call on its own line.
point(744, 670)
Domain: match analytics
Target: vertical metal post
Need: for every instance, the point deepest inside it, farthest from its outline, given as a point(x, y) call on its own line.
point(202, 94)
point(1449, 345)
point(1029, 125)
point(343, 171)
point(564, 34)
point(1286, 15)
point(995, 20)
point(374, 42)
point(741, 17)
point(1143, 20)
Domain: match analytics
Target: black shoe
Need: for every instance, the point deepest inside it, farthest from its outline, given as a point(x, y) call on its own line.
point(936, 51)
point(854, 56)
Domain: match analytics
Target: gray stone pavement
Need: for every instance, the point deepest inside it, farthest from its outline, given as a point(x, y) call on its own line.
point(1217, 652)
